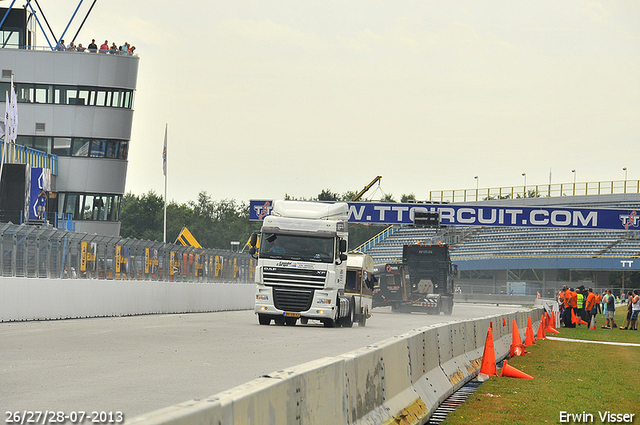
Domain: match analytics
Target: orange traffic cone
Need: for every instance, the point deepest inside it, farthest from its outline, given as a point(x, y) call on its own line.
point(592, 326)
point(550, 328)
point(504, 322)
point(541, 334)
point(552, 320)
point(574, 318)
point(517, 348)
point(529, 338)
point(512, 372)
point(488, 367)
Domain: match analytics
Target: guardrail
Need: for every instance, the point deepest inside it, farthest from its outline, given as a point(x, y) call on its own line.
point(401, 380)
point(535, 191)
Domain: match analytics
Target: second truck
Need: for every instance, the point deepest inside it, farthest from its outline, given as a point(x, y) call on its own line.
point(423, 281)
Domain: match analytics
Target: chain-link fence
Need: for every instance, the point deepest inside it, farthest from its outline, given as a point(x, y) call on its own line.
point(43, 252)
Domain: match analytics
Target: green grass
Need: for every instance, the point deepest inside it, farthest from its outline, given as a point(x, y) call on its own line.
point(568, 376)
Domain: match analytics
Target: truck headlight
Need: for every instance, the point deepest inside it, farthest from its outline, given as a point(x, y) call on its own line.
point(324, 301)
point(261, 297)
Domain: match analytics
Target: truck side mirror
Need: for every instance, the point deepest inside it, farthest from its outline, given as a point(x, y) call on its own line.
point(343, 247)
point(253, 240)
point(252, 251)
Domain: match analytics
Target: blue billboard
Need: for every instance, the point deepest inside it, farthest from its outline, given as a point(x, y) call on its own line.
point(481, 215)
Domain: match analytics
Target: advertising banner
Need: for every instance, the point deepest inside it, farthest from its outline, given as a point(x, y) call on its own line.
point(40, 188)
point(481, 215)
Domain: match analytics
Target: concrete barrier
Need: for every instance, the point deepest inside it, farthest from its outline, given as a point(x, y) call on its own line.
point(495, 299)
point(37, 299)
point(400, 380)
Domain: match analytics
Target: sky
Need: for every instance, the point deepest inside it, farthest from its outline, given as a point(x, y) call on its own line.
point(268, 98)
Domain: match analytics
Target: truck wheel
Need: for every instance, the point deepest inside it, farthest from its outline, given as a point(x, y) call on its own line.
point(263, 319)
point(335, 322)
point(449, 308)
point(290, 321)
point(362, 322)
point(347, 321)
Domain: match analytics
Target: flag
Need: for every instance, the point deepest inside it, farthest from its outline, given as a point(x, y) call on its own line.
point(164, 152)
point(7, 118)
point(14, 113)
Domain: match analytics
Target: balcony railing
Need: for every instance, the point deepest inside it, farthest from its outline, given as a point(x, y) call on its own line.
point(24, 155)
point(536, 191)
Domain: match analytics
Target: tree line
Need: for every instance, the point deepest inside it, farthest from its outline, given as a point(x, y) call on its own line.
point(216, 223)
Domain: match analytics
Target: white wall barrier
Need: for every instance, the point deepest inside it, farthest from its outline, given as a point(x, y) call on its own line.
point(36, 299)
point(400, 380)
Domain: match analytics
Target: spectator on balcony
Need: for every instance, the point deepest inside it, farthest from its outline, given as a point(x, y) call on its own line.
point(80, 48)
point(92, 46)
point(104, 47)
point(61, 46)
point(131, 50)
point(71, 47)
point(114, 49)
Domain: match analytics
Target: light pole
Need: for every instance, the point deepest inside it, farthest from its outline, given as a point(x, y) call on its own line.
point(625, 179)
point(525, 184)
point(574, 181)
point(476, 177)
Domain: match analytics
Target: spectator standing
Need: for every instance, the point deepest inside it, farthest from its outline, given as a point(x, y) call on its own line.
point(92, 46)
point(561, 301)
point(71, 47)
point(114, 49)
point(104, 47)
point(611, 311)
point(574, 305)
point(598, 301)
point(566, 317)
point(80, 48)
point(635, 310)
point(590, 306)
point(629, 308)
point(580, 298)
point(131, 50)
point(61, 46)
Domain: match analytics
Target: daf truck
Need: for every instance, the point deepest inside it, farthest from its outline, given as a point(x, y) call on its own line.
point(303, 272)
point(422, 282)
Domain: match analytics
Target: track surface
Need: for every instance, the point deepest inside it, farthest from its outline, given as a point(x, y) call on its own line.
point(143, 363)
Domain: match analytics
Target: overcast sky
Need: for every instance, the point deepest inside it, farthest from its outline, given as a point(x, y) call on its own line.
point(267, 98)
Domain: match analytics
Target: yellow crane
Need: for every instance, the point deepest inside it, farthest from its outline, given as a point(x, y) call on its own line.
point(367, 187)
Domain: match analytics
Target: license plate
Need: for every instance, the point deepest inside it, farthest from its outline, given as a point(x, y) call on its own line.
point(292, 314)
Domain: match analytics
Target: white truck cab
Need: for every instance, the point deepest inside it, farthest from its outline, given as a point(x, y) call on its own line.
point(302, 265)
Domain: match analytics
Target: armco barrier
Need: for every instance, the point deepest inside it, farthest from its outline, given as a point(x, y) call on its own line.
point(35, 299)
point(400, 380)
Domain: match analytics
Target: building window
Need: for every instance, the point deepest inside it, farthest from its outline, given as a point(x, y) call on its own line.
point(72, 95)
point(67, 146)
point(90, 206)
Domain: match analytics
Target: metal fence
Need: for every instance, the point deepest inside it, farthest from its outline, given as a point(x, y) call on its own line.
point(543, 190)
point(45, 252)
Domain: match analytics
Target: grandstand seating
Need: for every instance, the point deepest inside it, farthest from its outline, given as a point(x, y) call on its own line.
point(514, 242)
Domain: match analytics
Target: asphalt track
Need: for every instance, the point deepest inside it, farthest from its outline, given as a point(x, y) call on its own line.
point(142, 363)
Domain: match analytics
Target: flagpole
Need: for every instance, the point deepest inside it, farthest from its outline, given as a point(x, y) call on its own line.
point(164, 170)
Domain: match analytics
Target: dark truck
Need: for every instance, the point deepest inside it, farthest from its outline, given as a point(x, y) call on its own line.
point(422, 282)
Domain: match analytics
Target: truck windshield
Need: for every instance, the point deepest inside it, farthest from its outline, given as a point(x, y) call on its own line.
point(291, 247)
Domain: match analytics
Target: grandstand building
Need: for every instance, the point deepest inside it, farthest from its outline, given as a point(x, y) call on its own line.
point(526, 260)
point(75, 110)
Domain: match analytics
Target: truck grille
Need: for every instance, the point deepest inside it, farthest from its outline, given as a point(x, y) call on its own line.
point(292, 277)
point(292, 299)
